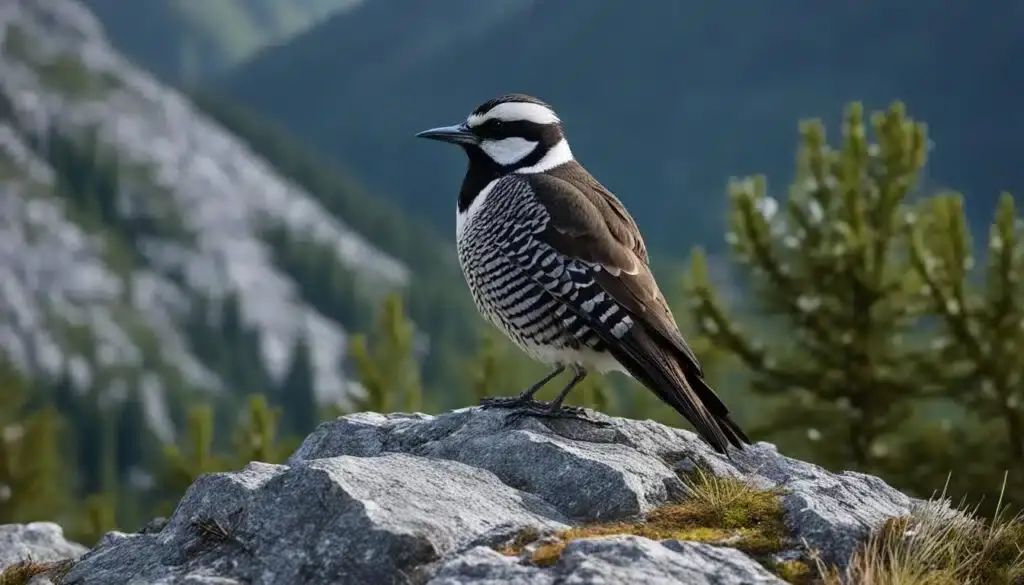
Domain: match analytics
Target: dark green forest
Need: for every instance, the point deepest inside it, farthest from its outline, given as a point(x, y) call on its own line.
point(876, 334)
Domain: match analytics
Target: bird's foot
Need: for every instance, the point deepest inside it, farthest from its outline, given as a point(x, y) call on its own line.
point(511, 402)
point(544, 410)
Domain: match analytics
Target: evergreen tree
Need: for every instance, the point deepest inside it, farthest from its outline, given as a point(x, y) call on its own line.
point(322, 280)
point(97, 516)
point(978, 358)
point(834, 286)
point(33, 477)
point(183, 464)
point(386, 362)
point(256, 436)
point(297, 395)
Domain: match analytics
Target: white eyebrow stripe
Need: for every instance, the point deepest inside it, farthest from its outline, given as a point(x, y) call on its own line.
point(515, 112)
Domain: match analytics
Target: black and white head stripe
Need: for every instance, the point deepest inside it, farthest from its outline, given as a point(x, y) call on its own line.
point(514, 133)
point(520, 132)
point(532, 111)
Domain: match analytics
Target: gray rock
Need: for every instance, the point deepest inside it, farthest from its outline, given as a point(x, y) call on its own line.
point(587, 472)
point(39, 541)
point(335, 520)
point(829, 512)
point(485, 566)
point(372, 498)
point(631, 559)
point(592, 473)
point(624, 560)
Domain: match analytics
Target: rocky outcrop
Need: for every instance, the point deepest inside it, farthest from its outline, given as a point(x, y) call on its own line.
point(372, 498)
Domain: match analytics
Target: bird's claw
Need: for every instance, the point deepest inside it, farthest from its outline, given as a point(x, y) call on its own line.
point(563, 413)
point(511, 402)
point(540, 409)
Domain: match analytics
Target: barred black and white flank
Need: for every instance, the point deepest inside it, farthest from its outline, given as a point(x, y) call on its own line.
point(554, 260)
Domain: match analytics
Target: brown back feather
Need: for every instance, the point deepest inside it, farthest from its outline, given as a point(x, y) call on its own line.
point(591, 224)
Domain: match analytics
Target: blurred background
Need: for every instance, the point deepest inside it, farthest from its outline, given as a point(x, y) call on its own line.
point(217, 229)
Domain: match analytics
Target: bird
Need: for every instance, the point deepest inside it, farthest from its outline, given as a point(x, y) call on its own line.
point(554, 260)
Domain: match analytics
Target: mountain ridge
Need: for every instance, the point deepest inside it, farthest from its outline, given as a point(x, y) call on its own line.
point(193, 199)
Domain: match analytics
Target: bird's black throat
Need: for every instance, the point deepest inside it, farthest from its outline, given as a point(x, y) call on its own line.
point(482, 170)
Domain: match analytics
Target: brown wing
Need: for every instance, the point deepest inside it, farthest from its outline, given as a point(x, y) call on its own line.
point(585, 226)
point(591, 224)
point(622, 226)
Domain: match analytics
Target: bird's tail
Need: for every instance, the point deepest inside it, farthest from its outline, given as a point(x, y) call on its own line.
point(677, 381)
point(718, 410)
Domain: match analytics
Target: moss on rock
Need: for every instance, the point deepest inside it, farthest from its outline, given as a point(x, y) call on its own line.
point(718, 510)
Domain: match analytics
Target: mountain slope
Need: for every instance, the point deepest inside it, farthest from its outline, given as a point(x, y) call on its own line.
point(665, 100)
point(139, 238)
point(185, 39)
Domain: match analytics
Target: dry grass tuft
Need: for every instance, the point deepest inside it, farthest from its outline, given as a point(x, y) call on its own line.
point(938, 545)
point(22, 572)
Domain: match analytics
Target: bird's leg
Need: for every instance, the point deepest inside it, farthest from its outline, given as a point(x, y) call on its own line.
point(554, 409)
point(526, 397)
point(556, 404)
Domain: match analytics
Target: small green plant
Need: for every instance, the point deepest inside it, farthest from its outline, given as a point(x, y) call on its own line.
point(795, 571)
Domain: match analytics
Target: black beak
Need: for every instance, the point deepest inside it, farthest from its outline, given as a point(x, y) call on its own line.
point(458, 134)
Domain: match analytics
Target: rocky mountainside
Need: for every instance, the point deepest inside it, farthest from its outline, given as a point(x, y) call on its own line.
point(483, 496)
point(664, 100)
point(125, 213)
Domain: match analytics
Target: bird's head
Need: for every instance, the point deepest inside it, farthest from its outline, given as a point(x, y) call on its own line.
point(514, 133)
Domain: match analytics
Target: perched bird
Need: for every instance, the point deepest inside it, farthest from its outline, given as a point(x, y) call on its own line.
point(554, 260)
